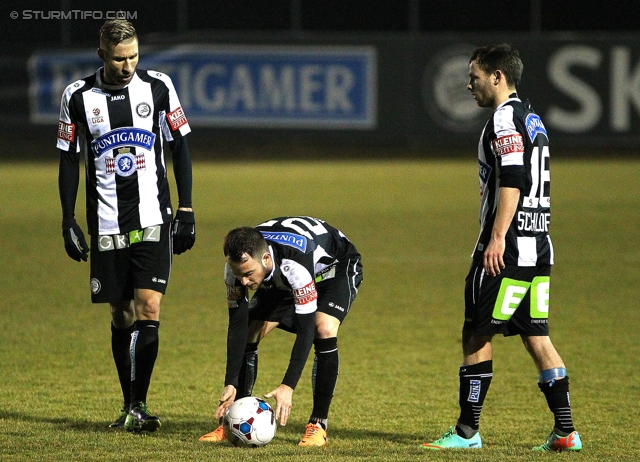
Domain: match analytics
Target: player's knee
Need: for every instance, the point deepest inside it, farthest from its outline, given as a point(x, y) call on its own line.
point(326, 326)
point(148, 308)
point(326, 330)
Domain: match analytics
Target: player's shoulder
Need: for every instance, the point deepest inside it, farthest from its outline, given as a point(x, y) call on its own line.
point(80, 84)
point(150, 75)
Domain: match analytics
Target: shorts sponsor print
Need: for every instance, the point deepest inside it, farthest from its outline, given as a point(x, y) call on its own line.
point(140, 259)
point(514, 302)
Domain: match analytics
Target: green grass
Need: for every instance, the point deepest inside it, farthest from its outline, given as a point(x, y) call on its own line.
point(415, 223)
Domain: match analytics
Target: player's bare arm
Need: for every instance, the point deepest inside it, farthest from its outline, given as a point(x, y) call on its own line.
point(507, 205)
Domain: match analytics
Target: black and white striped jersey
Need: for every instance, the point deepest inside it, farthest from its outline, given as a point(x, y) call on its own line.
point(121, 132)
point(305, 252)
point(514, 152)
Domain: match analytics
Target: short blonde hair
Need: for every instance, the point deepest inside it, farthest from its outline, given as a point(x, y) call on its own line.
point(115, 31)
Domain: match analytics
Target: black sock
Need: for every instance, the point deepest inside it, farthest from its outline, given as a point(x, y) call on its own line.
point(248, 371)
point(144, 351)
point(557, 394)
point(120, 343)
point(474, 385)
point(323, 378)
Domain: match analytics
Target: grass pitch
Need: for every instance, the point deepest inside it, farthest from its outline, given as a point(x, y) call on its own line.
point(415, 223)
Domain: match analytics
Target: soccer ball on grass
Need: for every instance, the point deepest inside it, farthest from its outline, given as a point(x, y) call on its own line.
point(250, 422)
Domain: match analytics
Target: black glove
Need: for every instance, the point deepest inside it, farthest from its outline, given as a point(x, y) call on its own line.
point(74, 241)
point(183, 231)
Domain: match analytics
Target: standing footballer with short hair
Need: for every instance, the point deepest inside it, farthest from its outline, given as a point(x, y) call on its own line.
point(507, 289)
point(119, 120)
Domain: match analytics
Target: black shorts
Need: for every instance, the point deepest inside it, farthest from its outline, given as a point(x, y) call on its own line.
point(136, 260)
point(512, 303)
point(337, 289)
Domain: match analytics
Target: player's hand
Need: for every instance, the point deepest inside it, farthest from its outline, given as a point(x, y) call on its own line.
point(74, 241)
point(283, 396)
point(226, 400)
point(183, 231)
point(493, 262)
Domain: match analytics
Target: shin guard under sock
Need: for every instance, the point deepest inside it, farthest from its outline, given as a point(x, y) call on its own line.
point(557, 394)
point(474, 385)
point(324, 378)
point(143, 351)
point(120, 343)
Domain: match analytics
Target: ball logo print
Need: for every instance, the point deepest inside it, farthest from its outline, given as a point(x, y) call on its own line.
point(250, 422)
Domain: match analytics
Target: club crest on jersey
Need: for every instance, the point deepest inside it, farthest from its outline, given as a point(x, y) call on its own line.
point(534, 126)
point(292, 240)
point(125, 163)
point(143, 110)
point(123, 137)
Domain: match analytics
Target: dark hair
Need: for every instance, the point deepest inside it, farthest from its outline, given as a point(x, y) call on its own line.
point(244, 241)
point(503, 57)
point(115, 31)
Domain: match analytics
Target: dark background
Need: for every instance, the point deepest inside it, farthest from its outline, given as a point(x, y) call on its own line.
point(169, 22)
point(174, 18)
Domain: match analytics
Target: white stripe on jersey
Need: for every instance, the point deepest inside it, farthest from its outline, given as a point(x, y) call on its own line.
point(147, 178)
point(299, 278)
point(527, 251)
point(504, 126)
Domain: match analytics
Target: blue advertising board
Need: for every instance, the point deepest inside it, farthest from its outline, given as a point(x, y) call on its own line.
point(311, 87)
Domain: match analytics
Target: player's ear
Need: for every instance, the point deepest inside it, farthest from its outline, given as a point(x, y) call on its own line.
point(266, 258)
point(101, 54)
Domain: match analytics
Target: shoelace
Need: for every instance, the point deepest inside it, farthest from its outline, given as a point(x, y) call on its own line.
point(445, 436)
point(311, 430)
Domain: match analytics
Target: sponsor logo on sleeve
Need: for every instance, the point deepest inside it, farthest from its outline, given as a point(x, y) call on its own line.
point(292, 240)
point(176, 119)
point(508, 144)
point(66, 132)
point(534, 126)
point(305, 294)
point(234, 293)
